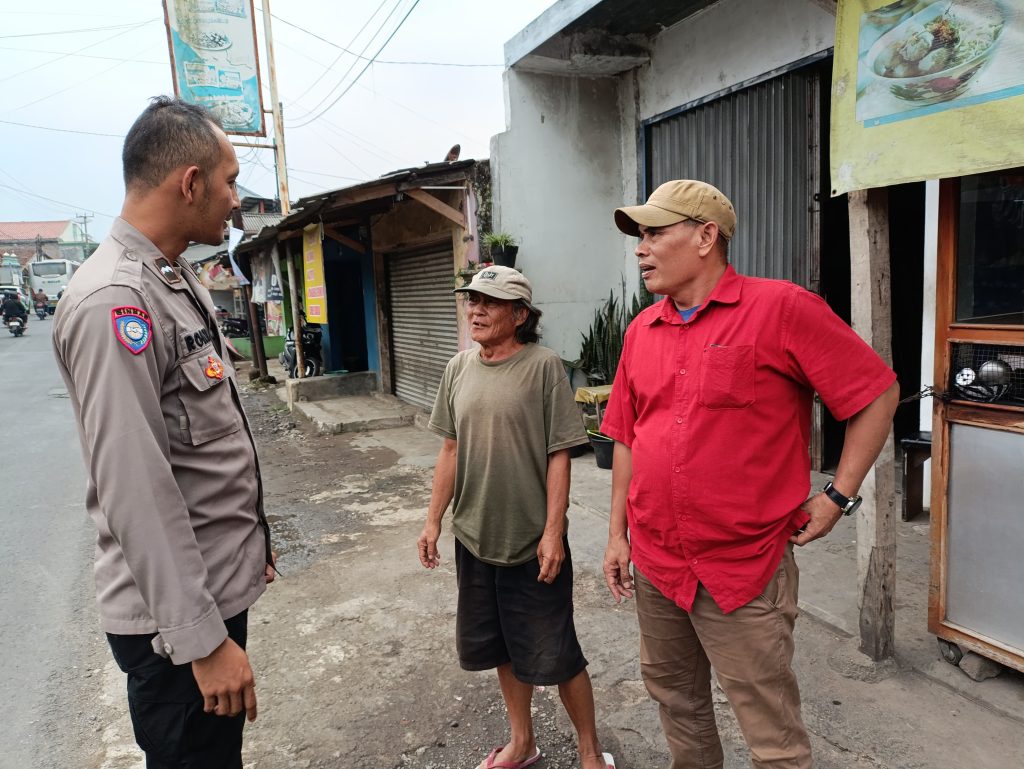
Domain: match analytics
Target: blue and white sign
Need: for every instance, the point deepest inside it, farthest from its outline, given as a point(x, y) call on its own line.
point(214, 60)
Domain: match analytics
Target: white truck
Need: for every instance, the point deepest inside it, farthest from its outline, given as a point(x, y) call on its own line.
point(13, 281)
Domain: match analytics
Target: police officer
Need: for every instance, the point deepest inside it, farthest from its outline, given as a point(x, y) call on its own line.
point(183, 546)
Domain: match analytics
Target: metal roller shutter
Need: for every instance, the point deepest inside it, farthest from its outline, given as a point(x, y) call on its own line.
point(759, 146)
point(424, 323)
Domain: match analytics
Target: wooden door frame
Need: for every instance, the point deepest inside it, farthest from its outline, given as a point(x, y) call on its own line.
point(947, 332)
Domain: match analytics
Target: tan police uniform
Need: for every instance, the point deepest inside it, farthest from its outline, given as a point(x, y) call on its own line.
point(174, 482)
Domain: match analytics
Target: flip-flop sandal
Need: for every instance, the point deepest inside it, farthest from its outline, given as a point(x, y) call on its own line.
point(609, 760)
point(489, 762)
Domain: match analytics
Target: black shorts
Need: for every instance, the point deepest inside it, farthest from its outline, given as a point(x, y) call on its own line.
point(167, 707)
point(506, 615)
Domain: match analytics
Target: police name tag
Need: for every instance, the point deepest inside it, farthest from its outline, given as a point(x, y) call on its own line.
point(132, 328)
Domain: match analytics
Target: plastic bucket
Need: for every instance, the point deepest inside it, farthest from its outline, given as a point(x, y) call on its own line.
point(603, 448)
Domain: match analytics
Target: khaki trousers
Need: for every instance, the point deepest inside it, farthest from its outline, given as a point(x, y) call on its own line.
point(751, 651)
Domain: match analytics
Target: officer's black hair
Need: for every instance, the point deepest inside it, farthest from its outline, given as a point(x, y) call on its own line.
point(169, 134)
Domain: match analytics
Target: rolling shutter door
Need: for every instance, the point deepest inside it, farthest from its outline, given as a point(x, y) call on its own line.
point(424, 323)
point(760, 147)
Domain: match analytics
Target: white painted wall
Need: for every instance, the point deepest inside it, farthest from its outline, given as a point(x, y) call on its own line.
point(569, 155)
point(557, 176)
point(931, 256)
point(728, 43)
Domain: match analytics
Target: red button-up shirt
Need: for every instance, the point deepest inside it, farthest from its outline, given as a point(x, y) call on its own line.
point(717, 412)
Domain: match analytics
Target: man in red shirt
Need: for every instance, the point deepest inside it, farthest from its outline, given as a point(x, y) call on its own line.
point(711, 414)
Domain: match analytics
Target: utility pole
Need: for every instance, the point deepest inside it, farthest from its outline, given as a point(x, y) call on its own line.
point(84, 219)
point(282, 189)
point(278, 113)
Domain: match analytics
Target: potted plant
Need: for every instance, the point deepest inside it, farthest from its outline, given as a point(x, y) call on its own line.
point(603, 448)
point(502, 248)
point(602, 342)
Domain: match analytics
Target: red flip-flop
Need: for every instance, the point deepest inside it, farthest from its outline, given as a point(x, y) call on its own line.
point(489, 762)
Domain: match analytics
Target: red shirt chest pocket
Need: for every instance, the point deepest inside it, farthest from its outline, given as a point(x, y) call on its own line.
point(727, 376)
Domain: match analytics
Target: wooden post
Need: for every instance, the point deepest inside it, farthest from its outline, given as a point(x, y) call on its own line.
point(259, 356)
point(870, 310)
point(293, 290)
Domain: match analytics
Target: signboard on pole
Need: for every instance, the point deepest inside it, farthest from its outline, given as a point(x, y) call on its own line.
point(313, 274)
point(214, 61)
point(925, 89)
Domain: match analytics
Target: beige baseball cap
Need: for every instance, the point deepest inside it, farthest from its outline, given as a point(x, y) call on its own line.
point(677, 201)
point(501, 283)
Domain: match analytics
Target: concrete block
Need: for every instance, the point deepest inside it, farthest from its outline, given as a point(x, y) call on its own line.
point(320, 388)
point(979, 668)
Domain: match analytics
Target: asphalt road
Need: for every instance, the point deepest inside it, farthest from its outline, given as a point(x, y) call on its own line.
point(46, 613)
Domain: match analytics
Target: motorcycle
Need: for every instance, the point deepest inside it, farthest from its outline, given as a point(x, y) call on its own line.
point(312, 337)
point(234, 326)
point(41, 310)
point(16, 326)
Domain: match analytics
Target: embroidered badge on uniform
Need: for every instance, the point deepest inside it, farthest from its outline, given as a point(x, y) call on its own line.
point(132, 328)
point(214, 368)
point(167, 272)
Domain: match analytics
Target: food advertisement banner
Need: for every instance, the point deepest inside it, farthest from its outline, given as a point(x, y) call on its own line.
point(925, 89)
point(216, 278)
point(313, 274)
point(214, 61)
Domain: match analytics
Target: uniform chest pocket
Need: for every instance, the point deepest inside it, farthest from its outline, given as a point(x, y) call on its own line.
point(727, 377)
point(208, 410)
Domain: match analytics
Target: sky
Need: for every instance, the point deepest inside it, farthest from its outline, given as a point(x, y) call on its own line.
point(73, 78)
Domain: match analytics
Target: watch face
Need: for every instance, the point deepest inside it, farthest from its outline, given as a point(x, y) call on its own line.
point(965, 376)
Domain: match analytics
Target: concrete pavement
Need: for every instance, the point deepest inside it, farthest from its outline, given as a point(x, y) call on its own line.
point(917, 712)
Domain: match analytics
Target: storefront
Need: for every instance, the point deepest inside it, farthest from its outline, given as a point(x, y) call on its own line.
point(976, 602)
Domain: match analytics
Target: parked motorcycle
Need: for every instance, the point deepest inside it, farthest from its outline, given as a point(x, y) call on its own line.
point(16, 326)
point(312, 337)
point(230, 326)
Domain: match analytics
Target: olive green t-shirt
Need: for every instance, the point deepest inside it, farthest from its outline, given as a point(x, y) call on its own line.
point(507, 416)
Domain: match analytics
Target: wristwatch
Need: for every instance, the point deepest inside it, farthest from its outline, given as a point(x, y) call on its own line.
point(848, 505)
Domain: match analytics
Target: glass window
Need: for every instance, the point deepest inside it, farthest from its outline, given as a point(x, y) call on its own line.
point(990, 252)
point(41, 269)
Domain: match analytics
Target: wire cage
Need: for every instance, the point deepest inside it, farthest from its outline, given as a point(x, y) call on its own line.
point(987, 373)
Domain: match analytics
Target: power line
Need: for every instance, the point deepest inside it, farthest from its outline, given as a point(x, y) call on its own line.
point(74, 31)
point(352, 42)
point(341, 80)
point(75, 85)
point(420, 115)
point(58, 202)
point(342, 154)
point(64, 56)
point(79, 55)
point(61, 130)
point(379, 61)
point(363, 70)
point(365, 144)
point(332, 176)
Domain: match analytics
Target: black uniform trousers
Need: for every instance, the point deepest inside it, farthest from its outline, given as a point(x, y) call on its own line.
point(167, 707)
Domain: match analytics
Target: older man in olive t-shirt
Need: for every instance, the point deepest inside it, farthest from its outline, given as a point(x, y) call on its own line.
point(508, 420)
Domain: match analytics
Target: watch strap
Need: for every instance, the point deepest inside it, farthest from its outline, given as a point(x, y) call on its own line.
point(846, 504)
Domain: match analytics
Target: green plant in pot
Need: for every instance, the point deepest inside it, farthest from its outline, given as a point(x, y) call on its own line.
point(502, 248)
point(602, 342)
point(604, 448)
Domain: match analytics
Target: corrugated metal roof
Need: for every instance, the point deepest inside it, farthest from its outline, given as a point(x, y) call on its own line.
point(253, 222)
point(308, 208)
point(200, 252)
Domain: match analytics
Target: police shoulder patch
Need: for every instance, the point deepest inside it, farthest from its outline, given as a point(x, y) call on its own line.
point(132, 328)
